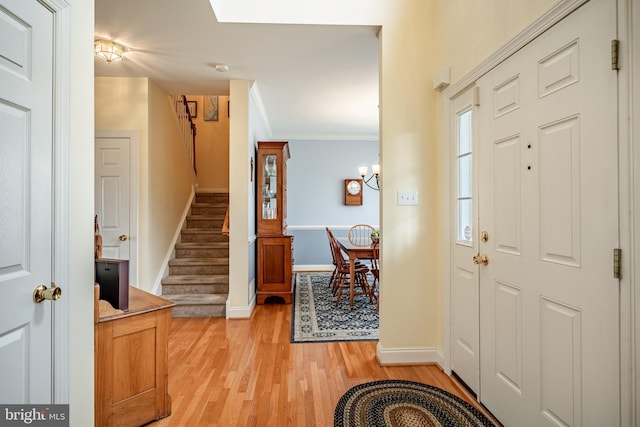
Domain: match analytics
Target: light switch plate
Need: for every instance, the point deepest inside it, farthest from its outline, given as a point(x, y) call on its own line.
point(407, 197)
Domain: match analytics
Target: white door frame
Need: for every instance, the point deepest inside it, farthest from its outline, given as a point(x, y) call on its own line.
point(132, 136)
point(629, 34)
point(61, 147)
point(629, 161)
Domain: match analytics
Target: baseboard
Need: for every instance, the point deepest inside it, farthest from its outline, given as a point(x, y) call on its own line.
point(164, 271)
point(299, 268)
point(240, 312)
point(409, 356)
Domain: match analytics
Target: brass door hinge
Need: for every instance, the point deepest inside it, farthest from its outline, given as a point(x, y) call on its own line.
point(615, 44)
point(617, 259)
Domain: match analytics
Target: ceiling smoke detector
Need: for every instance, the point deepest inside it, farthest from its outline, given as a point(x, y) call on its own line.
point(222, 68)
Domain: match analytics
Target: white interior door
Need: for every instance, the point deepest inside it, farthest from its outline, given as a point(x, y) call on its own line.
point(465, 329)
point(26, 213)
point(112, 188)
point(548, 199)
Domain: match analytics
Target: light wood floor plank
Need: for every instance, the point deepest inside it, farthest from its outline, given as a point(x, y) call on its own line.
point(245, 372)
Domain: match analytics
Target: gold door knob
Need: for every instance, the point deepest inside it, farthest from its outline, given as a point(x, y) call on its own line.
point(481, 259)
point(41, 293)
point(123, 237)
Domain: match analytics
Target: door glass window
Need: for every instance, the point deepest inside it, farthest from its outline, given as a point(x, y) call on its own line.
point(464, 175)
point(269, 187)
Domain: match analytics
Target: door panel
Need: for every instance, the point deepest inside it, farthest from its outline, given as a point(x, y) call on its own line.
point(26, 152)
point(560, 203)
point(507, 196)
point(549, 308)
point(561, 354)
point(508, 335)
point(465, 321)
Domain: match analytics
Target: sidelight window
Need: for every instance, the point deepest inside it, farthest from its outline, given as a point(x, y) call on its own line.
point(464, 176)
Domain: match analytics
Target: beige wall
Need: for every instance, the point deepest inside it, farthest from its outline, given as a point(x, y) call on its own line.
point(417, 41)
point(212, 146)
point(164, 177)
point(418, 38)
point(469, 31)
point(409, 244)
point(170, 183)
point(239, 189)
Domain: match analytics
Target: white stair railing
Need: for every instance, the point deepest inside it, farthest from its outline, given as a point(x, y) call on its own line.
point(186, 126)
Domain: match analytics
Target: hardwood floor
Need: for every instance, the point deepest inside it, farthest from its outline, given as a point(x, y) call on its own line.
point(245, 372)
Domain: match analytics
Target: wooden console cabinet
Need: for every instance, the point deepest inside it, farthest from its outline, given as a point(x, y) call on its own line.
point(131, 360)
point(275, 246)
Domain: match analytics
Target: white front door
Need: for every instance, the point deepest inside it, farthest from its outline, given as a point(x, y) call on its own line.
point(548, 200)
point(26, 209)
point(112, 176)
point(465, 360)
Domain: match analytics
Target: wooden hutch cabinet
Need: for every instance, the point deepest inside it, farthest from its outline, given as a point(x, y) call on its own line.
point(275, 246)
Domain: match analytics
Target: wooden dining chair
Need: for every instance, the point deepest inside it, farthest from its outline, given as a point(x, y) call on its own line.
point(360, 234)
point(332, 238)
point(335, 252)
point(375, 272)
point(342, 279)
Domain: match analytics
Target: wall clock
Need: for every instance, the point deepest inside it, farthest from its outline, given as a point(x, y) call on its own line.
point(353, 192)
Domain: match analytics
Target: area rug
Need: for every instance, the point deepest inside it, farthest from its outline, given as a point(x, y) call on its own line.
point(316, 318)
point(400, 403)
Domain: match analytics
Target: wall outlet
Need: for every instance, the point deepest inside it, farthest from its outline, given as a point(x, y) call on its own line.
point(407, 197)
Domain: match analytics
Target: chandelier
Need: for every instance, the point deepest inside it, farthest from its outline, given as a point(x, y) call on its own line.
point(109, 51)
point(375, 173)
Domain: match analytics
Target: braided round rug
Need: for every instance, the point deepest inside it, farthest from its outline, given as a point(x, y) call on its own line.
point(399, 403)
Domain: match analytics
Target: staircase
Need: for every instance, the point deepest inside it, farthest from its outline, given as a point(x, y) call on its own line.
point(198, 280)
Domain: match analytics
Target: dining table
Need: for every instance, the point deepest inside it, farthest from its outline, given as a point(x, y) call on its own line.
point(354, 252)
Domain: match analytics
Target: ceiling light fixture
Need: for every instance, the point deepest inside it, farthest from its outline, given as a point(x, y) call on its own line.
point(108, 50)
point(375, 170)
point(222, 68)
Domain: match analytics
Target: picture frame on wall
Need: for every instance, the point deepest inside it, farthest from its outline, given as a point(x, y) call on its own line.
point(193, 108)
point(211, 108)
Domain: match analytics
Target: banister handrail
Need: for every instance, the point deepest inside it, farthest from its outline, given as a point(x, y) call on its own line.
point(186, 126)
